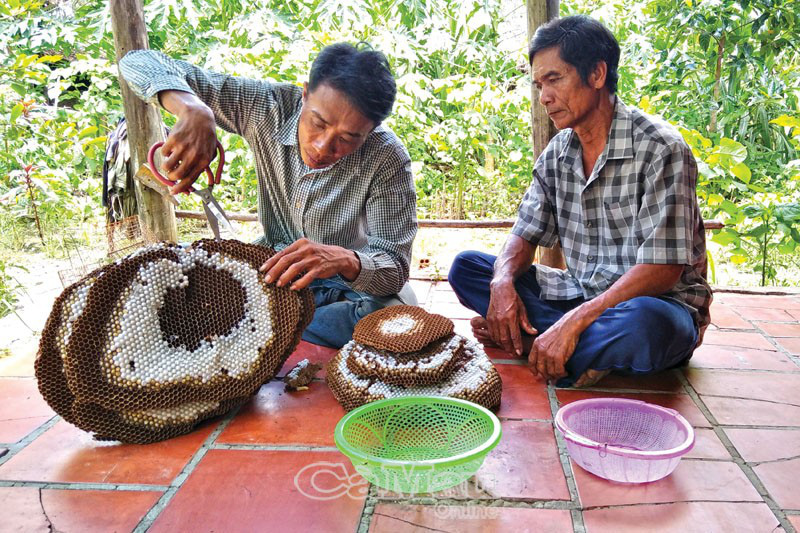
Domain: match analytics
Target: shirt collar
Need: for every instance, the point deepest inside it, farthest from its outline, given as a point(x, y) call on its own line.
point(287, 133)
point(620, 136)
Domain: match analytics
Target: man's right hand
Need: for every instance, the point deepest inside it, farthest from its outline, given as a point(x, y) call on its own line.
point(507, 317)
point(192, 143)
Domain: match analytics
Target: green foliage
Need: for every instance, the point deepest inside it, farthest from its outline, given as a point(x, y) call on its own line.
point(726, 72)
point(9, 288)
point(54, 111)
point(462, 107)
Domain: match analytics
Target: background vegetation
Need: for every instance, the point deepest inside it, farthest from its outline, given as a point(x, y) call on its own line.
point(727, 73)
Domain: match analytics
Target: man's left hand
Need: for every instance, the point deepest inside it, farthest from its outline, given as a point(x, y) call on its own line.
point(552, 349)
point(310, 260)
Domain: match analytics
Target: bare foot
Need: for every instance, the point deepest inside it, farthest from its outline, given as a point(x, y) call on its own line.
point(590, 377)
point(480, 328)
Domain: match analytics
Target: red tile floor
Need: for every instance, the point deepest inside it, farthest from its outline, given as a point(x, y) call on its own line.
point(272, 465)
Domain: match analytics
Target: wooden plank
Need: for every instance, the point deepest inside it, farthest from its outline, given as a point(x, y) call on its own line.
point(156, 215)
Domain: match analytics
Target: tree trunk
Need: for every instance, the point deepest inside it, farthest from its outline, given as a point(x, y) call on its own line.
point(156, 215)
point(539, 12)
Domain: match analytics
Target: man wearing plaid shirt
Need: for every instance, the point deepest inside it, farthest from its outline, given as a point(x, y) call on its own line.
point(616, 188)
point(335, 191)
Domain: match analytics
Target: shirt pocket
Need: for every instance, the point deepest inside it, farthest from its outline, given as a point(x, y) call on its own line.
point(621, 219)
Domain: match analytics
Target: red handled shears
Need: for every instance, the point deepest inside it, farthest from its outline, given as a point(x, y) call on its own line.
point(214, 212)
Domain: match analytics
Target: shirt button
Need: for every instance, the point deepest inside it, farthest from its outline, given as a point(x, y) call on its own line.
point(589, 224)
point(590, 258)
point(297, 205)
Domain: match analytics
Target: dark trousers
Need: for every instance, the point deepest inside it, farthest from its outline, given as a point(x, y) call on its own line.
point(640, 336)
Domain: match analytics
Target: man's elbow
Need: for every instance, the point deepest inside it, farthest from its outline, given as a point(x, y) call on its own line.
point(669, 276)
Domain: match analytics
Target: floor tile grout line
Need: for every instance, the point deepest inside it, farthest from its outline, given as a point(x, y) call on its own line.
point(273, 448)
point(150, 517)
point(512, 362)
point(758, 426)
point(772, 461)
point(745, 370)
point(578, 524)
point(746, 468)
point(57, 485)
point(748, 399)
point(368, 510)
point(644, 504)
point(14, 449)
point(496, 503)
point(518, 419)
point(778, 347)
point(622, 391)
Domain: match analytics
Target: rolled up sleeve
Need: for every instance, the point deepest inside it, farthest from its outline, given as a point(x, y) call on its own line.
point(391, 212)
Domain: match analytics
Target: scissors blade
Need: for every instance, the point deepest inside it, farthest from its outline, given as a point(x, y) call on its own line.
point(215, 214)
point(212, 220)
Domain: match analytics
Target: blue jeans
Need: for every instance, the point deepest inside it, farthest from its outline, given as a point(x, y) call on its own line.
point(339, 307)
point(642, 335)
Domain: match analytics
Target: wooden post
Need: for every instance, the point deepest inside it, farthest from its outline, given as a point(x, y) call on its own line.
point(156, 215)
point(539, 12)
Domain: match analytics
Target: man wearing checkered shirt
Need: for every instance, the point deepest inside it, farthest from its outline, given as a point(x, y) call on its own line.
point(616, 188)
point(335, 190)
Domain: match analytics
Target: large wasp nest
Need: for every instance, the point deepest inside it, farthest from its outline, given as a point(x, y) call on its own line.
point(405, 351)
point(145, 348)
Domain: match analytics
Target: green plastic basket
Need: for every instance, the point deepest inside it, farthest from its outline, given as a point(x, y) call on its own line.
point(417, 443)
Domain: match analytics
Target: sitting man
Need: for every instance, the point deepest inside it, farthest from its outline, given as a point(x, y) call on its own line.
point(335, 192)
point(616, 187)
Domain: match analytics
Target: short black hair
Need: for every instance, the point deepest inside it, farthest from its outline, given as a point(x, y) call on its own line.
point(582, 42)
point(360, 73)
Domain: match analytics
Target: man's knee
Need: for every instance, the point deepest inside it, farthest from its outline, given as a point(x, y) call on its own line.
point(466, 265)
point(463, 262)
point(662, 329)
point(652, 313)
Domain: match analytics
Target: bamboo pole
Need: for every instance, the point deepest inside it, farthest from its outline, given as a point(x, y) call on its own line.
point(156, 215)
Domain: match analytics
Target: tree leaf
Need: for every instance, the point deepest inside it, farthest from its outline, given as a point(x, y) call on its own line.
point(87, 131)
point(726, 237)
point(786, 121)
point(735, 150)
point(742, 171)
point(16, 111)
point(758, 231)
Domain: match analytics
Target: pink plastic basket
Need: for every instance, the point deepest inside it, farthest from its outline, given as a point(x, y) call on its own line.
point(624, 440)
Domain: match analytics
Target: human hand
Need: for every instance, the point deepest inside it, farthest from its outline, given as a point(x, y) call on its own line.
point(505, 316)
point(310, 260)
point(192, 143)
point(552, 349)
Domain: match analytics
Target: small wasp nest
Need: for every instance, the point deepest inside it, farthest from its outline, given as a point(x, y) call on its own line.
point(145, 348)
point(430, 361)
